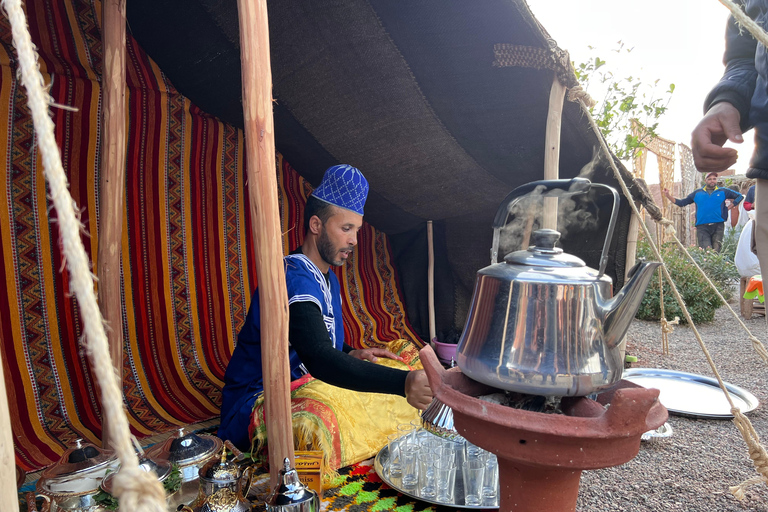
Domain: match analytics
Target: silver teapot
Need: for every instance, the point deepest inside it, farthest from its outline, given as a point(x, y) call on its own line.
point(542, 322)
point(222, 487)
point(291, 495)
point(71, 484)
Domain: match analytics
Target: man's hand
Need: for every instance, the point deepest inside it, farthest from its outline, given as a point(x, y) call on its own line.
point(668, 195)
point(373, 354)
point(719, 124)
point(417, 390)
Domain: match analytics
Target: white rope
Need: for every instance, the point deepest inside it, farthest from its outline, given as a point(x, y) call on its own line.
point(135, 489)
point(745, 21)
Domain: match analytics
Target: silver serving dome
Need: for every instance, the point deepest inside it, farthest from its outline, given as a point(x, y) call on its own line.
point(186, 449)
point(79, 471)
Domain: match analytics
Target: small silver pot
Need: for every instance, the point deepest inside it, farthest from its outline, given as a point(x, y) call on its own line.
point(291, 495)
point(223, 488)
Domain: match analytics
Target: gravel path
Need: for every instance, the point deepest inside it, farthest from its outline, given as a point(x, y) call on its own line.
point(692, 470)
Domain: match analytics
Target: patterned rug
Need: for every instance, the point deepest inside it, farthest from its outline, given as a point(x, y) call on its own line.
point(359, 489)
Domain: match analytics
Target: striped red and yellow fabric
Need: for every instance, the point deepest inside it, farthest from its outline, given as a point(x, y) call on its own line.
point(187, 272)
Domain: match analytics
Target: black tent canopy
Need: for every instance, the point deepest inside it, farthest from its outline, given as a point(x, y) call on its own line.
point(419, 96)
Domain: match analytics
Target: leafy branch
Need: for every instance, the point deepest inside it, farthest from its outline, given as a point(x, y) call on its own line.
point(624, 100)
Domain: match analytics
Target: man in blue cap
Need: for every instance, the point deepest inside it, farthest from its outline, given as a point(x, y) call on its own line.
point(711, 210)
point(332, 217)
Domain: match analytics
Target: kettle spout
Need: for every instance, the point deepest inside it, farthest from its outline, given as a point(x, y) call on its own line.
point(619, 311)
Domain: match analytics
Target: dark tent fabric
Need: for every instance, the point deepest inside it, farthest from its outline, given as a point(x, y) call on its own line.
point(413, 94)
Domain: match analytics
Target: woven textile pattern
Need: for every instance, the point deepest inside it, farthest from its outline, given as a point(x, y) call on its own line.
point(358, 488)
point(187, 256)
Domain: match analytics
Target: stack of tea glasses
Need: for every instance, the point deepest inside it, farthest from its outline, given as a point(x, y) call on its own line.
point(451, 471)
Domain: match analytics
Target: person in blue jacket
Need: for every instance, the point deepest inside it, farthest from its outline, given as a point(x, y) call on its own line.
point(332, 216)
point(711, 210)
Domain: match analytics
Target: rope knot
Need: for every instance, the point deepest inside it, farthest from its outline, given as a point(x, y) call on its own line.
point(138, 490)
point(578, 93)
point(759, 347)
point(669, 227)
point(668, 326)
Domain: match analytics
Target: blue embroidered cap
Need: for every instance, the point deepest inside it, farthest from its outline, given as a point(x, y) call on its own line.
point(343, 186)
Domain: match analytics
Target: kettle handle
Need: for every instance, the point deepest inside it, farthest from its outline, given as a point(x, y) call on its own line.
point(575, 185)
point(246, 482)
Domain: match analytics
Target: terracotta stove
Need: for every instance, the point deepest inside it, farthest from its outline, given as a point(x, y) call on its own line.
point(541, 456)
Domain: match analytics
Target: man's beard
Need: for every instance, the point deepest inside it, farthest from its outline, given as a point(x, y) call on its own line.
point(327, 250)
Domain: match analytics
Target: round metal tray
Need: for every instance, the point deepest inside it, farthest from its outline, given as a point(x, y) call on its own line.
point(381, 464)
point(692, 395)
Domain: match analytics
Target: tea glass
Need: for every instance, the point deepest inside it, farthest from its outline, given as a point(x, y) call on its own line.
point(395, 462)
point(427, 485)
point(407, 432)
point(473, 471)
point(491, 481)
point(409, 455)
point(445, 480)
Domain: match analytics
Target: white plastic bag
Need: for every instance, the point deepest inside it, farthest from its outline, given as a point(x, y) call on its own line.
point(745, 260)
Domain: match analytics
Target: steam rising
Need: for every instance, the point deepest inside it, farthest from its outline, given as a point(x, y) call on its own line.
point(576, 212)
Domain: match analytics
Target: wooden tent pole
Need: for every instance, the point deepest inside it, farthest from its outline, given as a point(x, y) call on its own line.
point(431, 282)
point(552, 152)
point(262, 188)
point(9, 498)
point(632, 237)
point(112, 182)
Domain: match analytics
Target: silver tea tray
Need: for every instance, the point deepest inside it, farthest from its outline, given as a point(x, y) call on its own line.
point(692, 395)
point(382, 469)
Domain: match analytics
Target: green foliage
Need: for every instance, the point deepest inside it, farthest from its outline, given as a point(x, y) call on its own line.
point(171, 484)
point(624, 99)
point(699, 298)
point(719, 267)
point(106, 500)
point(730, 243)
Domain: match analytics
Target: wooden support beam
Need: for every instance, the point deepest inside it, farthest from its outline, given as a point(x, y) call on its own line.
point(632, 237)
point(552, 151)
point(431, 283)
point(262, 189)
point(112, 182)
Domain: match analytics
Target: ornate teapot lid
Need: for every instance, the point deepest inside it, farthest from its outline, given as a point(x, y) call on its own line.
point(186, 450)
point(220, 470)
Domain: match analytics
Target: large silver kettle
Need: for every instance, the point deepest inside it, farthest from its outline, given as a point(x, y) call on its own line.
point(542, 322)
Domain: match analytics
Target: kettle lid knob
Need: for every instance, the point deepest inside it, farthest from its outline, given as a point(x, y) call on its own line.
point(545, 238)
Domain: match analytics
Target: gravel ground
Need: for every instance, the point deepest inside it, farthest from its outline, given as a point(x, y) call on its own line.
point(692, 469)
